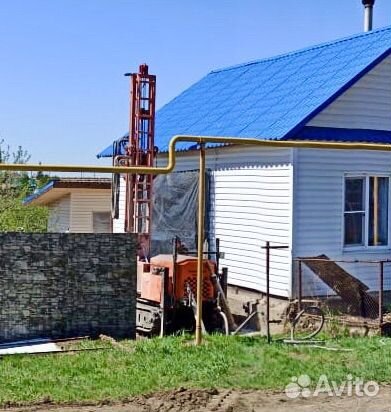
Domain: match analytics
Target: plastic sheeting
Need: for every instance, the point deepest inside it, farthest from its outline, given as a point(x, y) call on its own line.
point(175, 211)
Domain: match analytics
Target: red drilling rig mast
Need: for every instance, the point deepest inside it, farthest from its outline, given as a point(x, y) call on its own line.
point(141, 152)
point(167, 284)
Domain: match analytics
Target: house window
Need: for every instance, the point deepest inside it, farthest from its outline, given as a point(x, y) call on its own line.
point(366, 214)
point(101, 222)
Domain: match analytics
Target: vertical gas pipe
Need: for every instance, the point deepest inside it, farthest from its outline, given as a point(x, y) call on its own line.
point(200, 243)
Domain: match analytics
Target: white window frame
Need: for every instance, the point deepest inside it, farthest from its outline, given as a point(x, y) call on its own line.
point(365, 246)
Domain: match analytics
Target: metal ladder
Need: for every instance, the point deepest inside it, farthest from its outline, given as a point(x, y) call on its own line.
point(141, 152)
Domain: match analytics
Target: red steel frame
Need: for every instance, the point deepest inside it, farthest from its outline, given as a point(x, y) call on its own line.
point(141, 152)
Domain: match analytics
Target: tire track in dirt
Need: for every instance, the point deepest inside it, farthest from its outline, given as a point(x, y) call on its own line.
point(225, 400)
point(221, 402)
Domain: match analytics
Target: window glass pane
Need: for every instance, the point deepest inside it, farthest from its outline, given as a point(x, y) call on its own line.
point(354, 194)
point(101, 222)
point(354, 229)
point(378, 211)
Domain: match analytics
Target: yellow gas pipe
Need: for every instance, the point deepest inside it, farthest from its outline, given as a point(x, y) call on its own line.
point(200, 244)
point(196, 139)
point(201, 140)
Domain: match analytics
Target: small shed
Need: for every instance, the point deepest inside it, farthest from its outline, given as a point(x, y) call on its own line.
point(76, 205)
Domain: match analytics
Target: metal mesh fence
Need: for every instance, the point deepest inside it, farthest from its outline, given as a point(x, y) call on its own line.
point(358, 290)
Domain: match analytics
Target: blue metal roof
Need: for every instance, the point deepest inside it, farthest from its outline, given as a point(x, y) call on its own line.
point(38, 192)
point(272, 98)
point(118, 147)
point(342, 135)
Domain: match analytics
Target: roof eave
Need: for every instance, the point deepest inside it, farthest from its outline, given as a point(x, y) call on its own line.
point(337, 94)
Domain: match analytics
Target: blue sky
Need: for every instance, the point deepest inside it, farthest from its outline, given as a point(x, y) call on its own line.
point(63, 94)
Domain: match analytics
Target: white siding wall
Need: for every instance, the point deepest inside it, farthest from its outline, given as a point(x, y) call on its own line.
point(59, 215)
point(366, 105)
point(251, 198)
point(318, 208)
point(251, 206)
point(83, 204)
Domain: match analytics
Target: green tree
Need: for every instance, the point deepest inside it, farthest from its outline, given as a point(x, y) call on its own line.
point(14, 187)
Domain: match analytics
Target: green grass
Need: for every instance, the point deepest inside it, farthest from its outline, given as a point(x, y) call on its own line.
point(173, 362)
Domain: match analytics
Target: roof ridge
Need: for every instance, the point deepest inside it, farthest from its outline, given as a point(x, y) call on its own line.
point(303, 50)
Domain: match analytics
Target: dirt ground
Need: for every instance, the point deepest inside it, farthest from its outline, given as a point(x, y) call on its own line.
point(189, 400)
